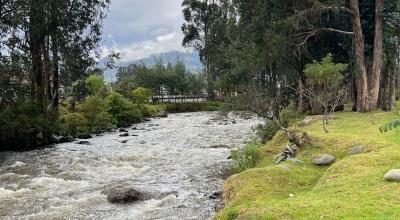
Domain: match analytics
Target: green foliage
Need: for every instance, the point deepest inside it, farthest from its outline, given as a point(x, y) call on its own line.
point(192, 107)
point(95, 111)
point(21, 123)
point(141, 95)
point(73, 123)
point(246, 158)
point(122, 110)
point(151, 110)
point(389, 126)
point(289, 115)
point(95, 84)
point(325, 72)
point(266, 131)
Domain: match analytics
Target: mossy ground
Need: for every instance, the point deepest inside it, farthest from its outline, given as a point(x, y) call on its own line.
point(351, 188)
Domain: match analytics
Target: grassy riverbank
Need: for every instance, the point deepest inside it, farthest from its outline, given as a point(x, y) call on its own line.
point(351, 188)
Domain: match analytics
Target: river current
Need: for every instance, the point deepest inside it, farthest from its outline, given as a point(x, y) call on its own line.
point(170, 158)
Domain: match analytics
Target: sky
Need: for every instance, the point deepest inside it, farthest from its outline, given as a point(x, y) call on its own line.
point(139, 28)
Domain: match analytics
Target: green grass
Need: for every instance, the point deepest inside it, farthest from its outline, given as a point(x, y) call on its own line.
point(351, 188)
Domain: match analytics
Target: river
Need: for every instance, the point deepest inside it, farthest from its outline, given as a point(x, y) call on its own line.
point(170, 158)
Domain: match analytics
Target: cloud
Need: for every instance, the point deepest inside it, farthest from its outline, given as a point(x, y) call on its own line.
point(139, 28)
point(143, 49)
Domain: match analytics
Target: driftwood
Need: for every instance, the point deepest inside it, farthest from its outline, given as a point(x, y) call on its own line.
point(291, 150)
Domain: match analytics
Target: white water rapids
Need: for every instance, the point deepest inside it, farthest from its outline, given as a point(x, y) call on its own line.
point(171, 158)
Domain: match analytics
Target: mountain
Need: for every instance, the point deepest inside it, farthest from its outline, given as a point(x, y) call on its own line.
point(191, 60)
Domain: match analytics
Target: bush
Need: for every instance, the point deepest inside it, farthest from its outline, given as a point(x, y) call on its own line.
point(151, 110)
point(73, 124)
point(24, 126)
point(267, 131)
point(287, 117)
point(122, 110)
point(246, 158)
point(94, 110)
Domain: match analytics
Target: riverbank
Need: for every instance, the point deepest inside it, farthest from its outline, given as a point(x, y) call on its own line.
point(37, 139)
point(352, 187)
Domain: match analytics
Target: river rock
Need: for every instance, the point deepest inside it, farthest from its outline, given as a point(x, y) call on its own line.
point(84, 143)
point(123, 130)
point(220, 146)
point(393, 175)
point(216, 195)
point(324, 160)
point(356, 150)
point(134, 128)
point(124, 195)
point(147, 120)
point(124, 141)
point(84, 136)
point(124, 135)
point(162, 114)
point(65, 139)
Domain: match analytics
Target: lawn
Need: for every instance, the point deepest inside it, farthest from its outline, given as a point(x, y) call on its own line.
point(351, 188)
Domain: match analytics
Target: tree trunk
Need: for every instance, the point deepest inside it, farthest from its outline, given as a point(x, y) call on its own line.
point(377, 60)
point(362, 79)
point(55, 68)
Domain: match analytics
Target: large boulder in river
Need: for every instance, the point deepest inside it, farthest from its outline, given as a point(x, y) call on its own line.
point(121, 194)
point(84, 136)
point(393, 175)
point(324, 160)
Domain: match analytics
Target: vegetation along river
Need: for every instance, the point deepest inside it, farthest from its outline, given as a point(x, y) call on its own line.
point(171, 159)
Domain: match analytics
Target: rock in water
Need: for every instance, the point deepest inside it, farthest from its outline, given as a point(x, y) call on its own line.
point(124, 141)
point(216, 195)
point(123, 130)
point(84, 136)
point(324, 160)
point(220, 146)
point(124, 195)
point(124, 135)
point(357, 150)
point(84, 143)
point(162, 114)
point(393, 175)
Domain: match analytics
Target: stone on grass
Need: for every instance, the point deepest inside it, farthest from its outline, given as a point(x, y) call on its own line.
point(357, 150)
point(393, 175)
point(324, 160)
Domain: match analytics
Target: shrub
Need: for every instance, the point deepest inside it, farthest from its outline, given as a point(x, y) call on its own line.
point(267, 131)
point(22, 124)
point(151, 110)
point(94, 110)
point(73, 124)
point(122, 110)
point(289, 115)
point(246, 158)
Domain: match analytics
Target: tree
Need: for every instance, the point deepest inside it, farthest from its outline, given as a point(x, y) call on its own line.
point(141, 96)
point(95, 85)
point(325, 85)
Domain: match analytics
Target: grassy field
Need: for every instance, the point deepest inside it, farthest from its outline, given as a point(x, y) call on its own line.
point(351, 188)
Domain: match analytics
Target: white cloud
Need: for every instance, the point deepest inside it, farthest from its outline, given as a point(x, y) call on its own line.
point(139, 28)
point(143, 49)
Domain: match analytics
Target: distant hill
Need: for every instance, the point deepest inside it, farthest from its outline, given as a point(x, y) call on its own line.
point(191, 60)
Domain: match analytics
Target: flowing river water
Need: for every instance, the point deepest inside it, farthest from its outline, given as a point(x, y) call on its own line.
point(171, 158)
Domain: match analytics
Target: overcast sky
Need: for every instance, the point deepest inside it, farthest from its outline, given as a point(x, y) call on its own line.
point(139, 28)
